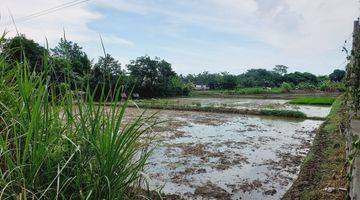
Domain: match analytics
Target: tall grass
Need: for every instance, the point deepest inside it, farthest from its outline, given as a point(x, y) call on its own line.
point(56, 147)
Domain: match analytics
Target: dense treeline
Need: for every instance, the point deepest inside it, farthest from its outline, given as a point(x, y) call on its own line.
point(69, 66)
point(278, 77)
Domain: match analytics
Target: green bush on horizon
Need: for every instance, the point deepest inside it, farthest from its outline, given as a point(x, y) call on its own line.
point(287, 87)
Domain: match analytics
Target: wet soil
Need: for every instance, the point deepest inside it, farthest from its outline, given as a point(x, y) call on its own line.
point(224, 156)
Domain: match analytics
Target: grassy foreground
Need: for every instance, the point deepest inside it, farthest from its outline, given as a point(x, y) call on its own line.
point(326, 101)
point(325, 164)
point(51, 149)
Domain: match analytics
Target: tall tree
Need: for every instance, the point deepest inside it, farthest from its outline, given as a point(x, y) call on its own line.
point(151, 77)
point(105, 75)
point(21, 49)
point(78, 60)
point(337, 75)
point(280, 69)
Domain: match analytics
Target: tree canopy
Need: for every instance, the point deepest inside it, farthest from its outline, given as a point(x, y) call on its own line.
point(337, 75)
point(21, 49)
point(77, 58)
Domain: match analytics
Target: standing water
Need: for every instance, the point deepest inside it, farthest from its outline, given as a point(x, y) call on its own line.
point(222, 156)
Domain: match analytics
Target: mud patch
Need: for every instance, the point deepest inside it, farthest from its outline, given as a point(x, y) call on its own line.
point(205, 156)
point(212, 191)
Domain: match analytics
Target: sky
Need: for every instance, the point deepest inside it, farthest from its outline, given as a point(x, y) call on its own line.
point(197, 35)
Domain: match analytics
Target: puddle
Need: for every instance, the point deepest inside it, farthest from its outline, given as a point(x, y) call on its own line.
point(223, 156)
point(245, 103)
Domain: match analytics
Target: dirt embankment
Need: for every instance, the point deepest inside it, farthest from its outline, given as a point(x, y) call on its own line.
point(323, 173)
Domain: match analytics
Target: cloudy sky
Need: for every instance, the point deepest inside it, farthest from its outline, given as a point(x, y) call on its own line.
point(197, 35)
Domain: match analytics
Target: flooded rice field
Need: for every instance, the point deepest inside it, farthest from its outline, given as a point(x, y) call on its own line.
point(245, 103)
point(225, 156)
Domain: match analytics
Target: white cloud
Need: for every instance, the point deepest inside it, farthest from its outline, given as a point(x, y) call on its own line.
point(73, 19)
point(303, 32)
point(112, 39)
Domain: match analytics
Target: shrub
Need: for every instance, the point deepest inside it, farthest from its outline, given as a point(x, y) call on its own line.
point(286, 87)
point(306, 86)
point(284, 113)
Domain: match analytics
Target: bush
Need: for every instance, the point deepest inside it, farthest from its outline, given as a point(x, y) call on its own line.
point(306, 86)
point(329, 86)
point(284, 113)
point(187, 88)
point(286, 87)
point(340, 86)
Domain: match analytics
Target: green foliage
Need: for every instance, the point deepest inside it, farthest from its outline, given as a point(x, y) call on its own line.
point(260, 78)
point(20, 49)
point(56, 149)
point(256, 90)
point(105, 75)
point(287, 87)
point(228, 81)
point(78, 60)
point(313, 100)
point(337, 75)
point(154, 77)
point(306, 86)
point(284, 113)
point(280, 69)
point(298, 78)
point(329, 86)
point(257, 78)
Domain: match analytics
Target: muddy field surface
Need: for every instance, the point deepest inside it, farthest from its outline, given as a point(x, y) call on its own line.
point(222, 156)
point(255, 104)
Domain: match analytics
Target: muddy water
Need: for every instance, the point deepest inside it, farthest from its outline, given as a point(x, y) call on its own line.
point(244, 103)
point(221, 156)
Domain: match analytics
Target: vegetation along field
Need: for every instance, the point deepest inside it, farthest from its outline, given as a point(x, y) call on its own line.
point(74, 125)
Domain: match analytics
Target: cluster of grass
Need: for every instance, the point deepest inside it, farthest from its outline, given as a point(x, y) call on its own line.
point(313, 101)
point(51, 148)
point(284, 113)
point(324, 166)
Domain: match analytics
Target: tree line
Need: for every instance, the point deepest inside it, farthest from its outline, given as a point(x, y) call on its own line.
point(67, 65)
point(277, 77)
